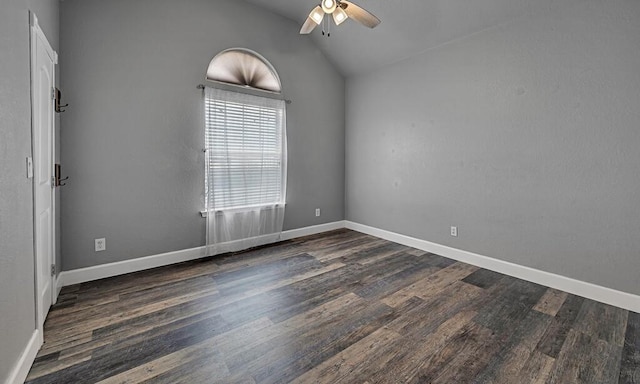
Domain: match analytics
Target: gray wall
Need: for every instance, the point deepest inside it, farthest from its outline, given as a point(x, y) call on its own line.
point(17, 305)
point(526, 136)
point(132, 138)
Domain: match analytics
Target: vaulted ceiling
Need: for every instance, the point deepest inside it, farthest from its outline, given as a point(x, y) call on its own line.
point(408, 27)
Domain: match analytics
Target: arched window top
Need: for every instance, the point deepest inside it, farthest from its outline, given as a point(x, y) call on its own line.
point(244, 67)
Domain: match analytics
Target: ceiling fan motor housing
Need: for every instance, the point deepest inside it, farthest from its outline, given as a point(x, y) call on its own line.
point(328, 6)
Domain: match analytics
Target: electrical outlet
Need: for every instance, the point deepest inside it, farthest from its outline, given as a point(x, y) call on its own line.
point(454, 231)
point(101, 244)
point(317, 212)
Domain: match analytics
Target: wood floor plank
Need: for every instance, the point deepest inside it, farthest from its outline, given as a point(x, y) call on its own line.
point(511, 307)
point(143, 280)
point(423, 351)
point(586, 359)
point(347, 364)
point(79, 305)
point(58, 344)
point(291, 329)
point(188, 289)
point(515, 347)
point(184, 361)
point(431, 313)
point(198, 371)
point(388, 285)
point(345, 249)
point(466, 355)
point(316, 243)
point(286, 336)
point(602, 321)
point(343, 335)
point(335, 307)
point(551, 302)
point(537, 369)
point(551, 343)
point(396, 273)
point(43, 368)
point(269, 269)
point(304, 301)
point(483, 278)
point(424, 266)
point(373, 255)
point(102, 319)
point(431, 285)
point(176, 361)
point(246, 259)
point(630, 361)
point(418, 252)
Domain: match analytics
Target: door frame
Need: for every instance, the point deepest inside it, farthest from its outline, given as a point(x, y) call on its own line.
point(37, 33)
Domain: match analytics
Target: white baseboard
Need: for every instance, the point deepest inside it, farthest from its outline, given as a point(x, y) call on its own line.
point(591, 291)
point(595, 292)
point(312, 230)
point(58, 287)
point(21, 369)
point(82, 275)
point(102, 271)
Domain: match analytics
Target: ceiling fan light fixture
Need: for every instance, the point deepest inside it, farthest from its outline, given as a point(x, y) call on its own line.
point(317, 15)
point(328, 6)
point(340, 10)
point(339, 16)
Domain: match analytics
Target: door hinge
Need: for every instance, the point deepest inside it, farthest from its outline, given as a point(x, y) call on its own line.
point(53, 269)
point(53, 93)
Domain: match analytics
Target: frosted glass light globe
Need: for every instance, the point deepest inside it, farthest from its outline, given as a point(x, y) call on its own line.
point(329, 6)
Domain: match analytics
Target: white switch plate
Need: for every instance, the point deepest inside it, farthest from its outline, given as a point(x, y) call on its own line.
point(101, 244)
point(317, 212)
point(454, 231)
point(29, 167)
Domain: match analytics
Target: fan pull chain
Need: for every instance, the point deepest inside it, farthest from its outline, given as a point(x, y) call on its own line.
point(326, 27)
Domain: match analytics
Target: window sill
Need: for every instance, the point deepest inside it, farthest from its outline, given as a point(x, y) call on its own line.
point(240, 209)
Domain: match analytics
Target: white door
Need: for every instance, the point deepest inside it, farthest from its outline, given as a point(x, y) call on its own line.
point(43, 60)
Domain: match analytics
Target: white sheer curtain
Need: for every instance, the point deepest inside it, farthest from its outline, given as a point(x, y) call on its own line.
point(246, 169)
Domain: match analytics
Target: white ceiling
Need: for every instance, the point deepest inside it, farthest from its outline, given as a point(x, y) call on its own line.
point(408, 27)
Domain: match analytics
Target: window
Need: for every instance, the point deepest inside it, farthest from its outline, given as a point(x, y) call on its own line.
point(246, 150)
point(240, 66)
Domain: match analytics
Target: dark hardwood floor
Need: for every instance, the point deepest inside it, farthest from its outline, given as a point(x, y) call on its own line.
point(336, 307)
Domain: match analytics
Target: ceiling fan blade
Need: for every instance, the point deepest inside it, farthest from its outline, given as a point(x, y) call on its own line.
point(313, 20)
point(359, 14)
point(308, 26)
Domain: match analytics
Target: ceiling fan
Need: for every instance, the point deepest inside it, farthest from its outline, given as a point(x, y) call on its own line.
point(341, 10)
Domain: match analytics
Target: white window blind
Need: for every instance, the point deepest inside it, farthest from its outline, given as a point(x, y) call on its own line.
point(246, 150)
